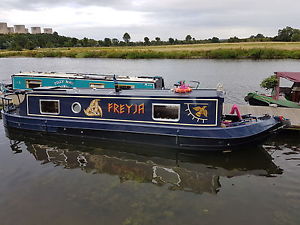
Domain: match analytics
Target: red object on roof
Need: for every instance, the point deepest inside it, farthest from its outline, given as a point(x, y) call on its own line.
point(292, 76)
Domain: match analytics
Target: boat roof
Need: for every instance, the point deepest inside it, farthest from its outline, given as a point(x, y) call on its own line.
point(292, 76)
point(87, 76)
point(196, 93)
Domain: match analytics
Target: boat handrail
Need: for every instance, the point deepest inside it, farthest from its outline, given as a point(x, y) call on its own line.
point(7, 103)
point(6, 98)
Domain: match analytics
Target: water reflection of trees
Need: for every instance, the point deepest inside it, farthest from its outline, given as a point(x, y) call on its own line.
point(186, 171)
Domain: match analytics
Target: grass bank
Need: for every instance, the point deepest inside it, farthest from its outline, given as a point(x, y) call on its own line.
point(247, 50)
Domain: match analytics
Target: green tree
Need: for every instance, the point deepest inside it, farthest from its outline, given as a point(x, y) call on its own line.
point(115, 41)
point(285, 34)
point(84, 42)
point(171, 41)
point(126, 37)
point(74, 41)
point(259, 36)
point(50, 44)
point(15, 46)
point(296, 35)
point(107, 42)
point(215, 40)
point(234, 39)
point(157, 39)
point(188, 38)
point(269, 83)
point(146, 41)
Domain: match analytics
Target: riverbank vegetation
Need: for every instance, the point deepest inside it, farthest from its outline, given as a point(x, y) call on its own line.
point(248, 50)
point(284, 45)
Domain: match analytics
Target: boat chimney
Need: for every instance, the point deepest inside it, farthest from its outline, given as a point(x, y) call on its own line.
point(117, 88)
point(220, 90)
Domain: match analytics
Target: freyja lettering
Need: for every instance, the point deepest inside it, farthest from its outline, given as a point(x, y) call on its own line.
point(126, 109)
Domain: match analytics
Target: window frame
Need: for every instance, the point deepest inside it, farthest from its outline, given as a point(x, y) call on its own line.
point(91, 84)
point(49, 100)
point(162, 119)
point(28, 81)
point(125, 85)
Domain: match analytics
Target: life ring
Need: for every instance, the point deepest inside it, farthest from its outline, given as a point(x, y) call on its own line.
point(183, 90)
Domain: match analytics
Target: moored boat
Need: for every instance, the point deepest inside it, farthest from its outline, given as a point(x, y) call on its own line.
point(264, 100)
point(191, 120)
point(29, 80)
point(281, 96)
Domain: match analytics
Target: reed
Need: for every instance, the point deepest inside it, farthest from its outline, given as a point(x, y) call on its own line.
point(273, 50)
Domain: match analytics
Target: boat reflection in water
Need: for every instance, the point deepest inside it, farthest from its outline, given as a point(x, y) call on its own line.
point(196, 173)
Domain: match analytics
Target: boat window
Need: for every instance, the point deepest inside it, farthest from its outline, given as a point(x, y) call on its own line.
point(49, 106)
point(76, 107)
point(96, 85)
point(166, 112)
point(33, 84)
point(125, 87)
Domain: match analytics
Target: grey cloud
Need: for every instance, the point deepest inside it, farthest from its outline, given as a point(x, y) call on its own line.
point(34, 4)
point(185, 16)
point(156, 6)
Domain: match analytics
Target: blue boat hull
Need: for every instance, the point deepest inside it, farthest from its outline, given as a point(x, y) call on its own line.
point(206, 138)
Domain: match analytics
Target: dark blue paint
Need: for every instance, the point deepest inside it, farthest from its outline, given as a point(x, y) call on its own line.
point(184, 133)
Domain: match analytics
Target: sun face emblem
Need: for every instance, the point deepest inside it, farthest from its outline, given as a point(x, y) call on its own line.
point(197, 111)
point(201, 111)
point(94, 109)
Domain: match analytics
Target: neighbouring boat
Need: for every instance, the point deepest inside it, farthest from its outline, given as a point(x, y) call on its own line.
point(282, 96)
point(191, 120)
point(29, 80)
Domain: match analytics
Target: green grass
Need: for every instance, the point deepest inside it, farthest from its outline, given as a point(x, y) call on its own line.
point(247, 50)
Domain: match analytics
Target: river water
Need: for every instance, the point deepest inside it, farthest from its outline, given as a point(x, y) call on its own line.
point(47, 179)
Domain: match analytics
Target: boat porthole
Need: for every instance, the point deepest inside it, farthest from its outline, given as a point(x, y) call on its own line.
point(76, 107)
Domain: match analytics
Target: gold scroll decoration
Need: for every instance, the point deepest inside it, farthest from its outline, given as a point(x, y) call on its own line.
point(94, 109)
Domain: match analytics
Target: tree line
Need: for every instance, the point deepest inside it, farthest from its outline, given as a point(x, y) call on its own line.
point(32, 41)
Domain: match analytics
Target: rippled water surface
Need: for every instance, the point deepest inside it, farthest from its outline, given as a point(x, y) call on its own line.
point(46, 179)
point(238, 76)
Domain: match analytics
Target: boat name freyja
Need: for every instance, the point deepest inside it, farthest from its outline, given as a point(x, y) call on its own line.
point(127, 109)
point(95, 109)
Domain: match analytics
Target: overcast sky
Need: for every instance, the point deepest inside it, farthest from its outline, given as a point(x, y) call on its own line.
point(154, 18)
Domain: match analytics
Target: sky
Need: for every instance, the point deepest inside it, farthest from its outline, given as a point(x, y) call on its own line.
point(201, 19)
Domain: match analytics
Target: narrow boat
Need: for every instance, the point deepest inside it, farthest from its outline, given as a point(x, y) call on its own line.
point(282, 96)
point(29, 80)
point(190, 120)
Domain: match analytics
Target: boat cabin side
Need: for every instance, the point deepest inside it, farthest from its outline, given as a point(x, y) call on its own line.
point(166, 108)
point(292, 92)
point(28, 81)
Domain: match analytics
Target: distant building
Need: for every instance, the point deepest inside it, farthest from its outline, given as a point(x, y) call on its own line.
point(48, 30)
point(11, 30)
point(3, 28)
point(20, 29)
point(36, 30)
